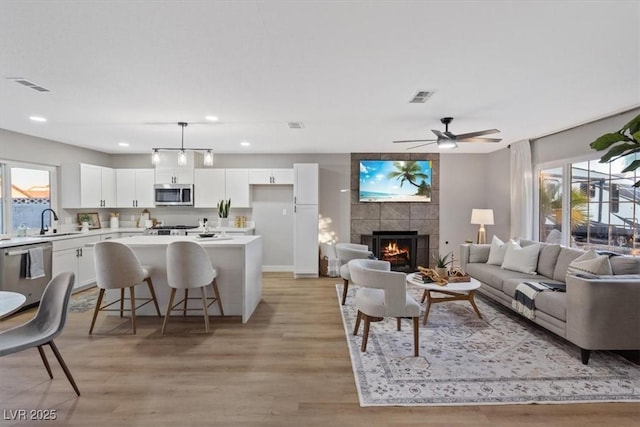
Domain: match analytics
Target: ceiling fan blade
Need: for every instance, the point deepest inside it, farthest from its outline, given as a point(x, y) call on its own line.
point(449, 135)
point(479, 140)
point(413, 140)
point(479, 133)
point(421, 145)
point(439, 134)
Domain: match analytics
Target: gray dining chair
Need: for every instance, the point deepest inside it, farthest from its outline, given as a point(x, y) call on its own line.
point(46, 325)
point(346, 252)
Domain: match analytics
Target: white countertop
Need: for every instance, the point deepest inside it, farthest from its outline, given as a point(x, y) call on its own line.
point(228, 241)
point(17, 241)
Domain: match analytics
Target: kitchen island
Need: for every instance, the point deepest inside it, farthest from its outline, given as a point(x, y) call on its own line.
point(237, 259)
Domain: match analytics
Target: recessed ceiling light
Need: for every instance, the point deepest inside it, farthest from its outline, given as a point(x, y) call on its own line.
point(38, 119)
point(212, 118)
point(245, 143)
point(123, 144)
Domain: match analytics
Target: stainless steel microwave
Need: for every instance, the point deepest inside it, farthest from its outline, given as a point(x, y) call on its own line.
point(173, 194)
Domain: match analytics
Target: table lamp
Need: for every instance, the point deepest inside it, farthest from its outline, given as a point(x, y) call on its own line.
point(482, 217)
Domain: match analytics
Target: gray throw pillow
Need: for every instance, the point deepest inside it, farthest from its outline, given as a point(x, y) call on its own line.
point(590, 262)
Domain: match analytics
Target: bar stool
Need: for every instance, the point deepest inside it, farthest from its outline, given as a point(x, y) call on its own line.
point(189, 267)
point(118, 267)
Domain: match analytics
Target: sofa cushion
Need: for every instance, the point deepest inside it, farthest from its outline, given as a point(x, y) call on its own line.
point(509, 285)
point(565, 257)
point(590, 262)
point(478, 253)
point(552, 303)
point(497, 251)
point(493, 275)
point(547, 259)
point(524, 260)
point(625, 264)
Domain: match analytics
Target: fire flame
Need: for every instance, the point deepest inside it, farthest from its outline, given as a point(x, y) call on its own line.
point(392, 249)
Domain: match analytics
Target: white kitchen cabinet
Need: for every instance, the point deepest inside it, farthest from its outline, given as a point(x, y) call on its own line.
point(169, 172)
point(305, 241)
point(72, 255)
point(271, 176)
point(134, 188)
point(88, 186)
point(305, 186)
point(237, 187)
point(209, 187)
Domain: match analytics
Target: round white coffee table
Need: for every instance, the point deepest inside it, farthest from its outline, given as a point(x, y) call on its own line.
point(10, 302)
point(460, 291)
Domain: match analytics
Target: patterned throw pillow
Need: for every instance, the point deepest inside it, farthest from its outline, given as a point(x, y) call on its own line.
point(590, 262)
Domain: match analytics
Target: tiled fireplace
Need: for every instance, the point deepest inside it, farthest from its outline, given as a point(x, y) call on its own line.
point(398, 217)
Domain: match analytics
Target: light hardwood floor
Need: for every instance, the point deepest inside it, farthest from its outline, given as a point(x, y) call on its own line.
point(288, 366)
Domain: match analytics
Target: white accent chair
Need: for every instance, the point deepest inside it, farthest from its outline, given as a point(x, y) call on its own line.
point(346, 252)
point(46, 325)
point(118, 267)
point(189, 267)
point(382, 293)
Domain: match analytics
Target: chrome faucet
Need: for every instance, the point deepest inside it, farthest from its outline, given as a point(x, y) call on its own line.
point(55, 217)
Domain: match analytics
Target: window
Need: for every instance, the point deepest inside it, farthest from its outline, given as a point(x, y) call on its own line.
point(26, 191)
point(597, 200)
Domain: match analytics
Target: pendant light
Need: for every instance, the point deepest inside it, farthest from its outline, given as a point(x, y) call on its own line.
point(182, 153)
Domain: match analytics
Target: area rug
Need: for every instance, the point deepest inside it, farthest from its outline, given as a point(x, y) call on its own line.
point(84, 300)
point(464, 360)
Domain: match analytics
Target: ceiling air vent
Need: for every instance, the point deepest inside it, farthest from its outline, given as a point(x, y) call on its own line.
point(29, 84)
point(421, 97)
point(295, 125)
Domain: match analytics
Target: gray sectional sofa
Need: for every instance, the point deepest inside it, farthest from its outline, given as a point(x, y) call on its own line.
point(595, 312)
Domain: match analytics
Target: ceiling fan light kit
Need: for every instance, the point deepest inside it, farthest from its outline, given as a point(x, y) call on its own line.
point(182, 152)
point(448, 140)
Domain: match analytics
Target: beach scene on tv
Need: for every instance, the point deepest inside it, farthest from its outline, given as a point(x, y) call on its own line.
point(395, 181)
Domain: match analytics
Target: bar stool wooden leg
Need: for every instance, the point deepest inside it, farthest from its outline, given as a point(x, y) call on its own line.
point(186, 300)
point(95, 312)
point(169, 307)
point(153, 295)
point(345, 287)
point(45, 361)
point(121, 302)
point(204, 310)
point(133, 308)
point(214, 284)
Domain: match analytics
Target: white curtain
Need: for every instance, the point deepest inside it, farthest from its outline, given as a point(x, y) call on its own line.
point(521, 190)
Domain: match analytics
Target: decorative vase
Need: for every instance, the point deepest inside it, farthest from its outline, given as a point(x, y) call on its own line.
point(85, 227)
point(222, 222)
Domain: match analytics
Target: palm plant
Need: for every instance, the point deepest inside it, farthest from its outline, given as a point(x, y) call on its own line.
point(442, 261)
point(624, 142)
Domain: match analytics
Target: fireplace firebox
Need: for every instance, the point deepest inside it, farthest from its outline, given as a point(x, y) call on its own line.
point(400, 248)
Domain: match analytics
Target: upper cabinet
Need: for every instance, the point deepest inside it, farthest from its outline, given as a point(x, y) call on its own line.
point(305, 187)
point(88, 186)
point(169, 172)
point(134, 188)
point(271, 176)
point(213, 185)
point(209, 187)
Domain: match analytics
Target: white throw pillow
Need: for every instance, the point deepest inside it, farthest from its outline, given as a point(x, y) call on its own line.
point(496, 253)
point(524, 260)
point(590, 262)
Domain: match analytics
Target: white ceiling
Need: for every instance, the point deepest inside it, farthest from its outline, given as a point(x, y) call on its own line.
point(116, 69)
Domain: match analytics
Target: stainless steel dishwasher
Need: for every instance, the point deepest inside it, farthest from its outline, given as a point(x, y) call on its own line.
point(12, 272)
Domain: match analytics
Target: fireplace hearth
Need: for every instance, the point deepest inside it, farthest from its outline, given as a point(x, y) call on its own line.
point(400, 248)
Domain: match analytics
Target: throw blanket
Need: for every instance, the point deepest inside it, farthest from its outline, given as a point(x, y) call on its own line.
point(526, 292)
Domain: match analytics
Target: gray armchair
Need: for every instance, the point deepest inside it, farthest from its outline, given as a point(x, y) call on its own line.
point(346, 252)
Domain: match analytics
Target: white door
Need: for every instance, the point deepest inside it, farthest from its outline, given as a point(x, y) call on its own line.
point(86, 268)
point(184, 175)
point(259, 176)
point(305, 187)
point(90, 186)
point(282, 176)
point(145, 179)
point(164, 176)
point(209, 187)
point(305, 240)
point(108, 187)
point(237, 187)
point(65, 260)
point(125, 188)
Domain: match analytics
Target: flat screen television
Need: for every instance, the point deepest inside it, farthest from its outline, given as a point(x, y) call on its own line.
point(395, 181)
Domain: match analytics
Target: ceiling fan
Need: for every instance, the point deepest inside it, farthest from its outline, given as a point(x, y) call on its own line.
point(447, 139)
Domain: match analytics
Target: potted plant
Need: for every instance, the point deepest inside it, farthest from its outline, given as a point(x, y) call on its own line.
point(442, 261)
point(223, 212)
point(84, 220)
point(625, 142)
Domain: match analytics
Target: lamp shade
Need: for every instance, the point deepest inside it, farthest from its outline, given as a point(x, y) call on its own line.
point(482, 216)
